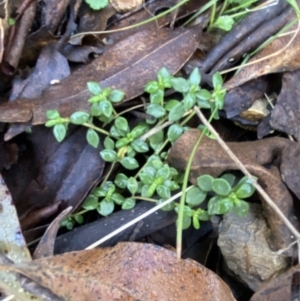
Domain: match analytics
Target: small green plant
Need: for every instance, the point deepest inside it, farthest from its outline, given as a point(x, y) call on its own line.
point(154, 179)
point(229, 13)
point(97, 4)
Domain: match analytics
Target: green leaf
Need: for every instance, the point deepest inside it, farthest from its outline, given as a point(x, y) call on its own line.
point(174, 132)
point(132, 185)
point(128, 204)
point(146, 191)
point(109, 143)
point(163, 191)
point(79, 218)
point(225, 206)
point(221, 187)
point(122, 142)
point(51, 123)
point(189, 101)
point(167, 207)
point(52, 114)
point(241, 208)
point(92, 138)
point(229, 177)
point(180, 84)
point(202, 215)
point(224, 22)
point(116, 96)
point(213, 206)
point(177, 112)
point(156, 110)
point(205, 182)
point(146, 178)
point(151, 87)
point(96, 109)
point(140, 146)
point(139, 130)
point(106, 207)
point(195, 77)
point(90, 203)
point(245, 191)
point(164, 172)
point(196, 222)
point(195, 196)
point(203, 94)
point(129, 163)
point(157, 138)
point(171, 104)
point(157, 164)
point(121, 124)
point(94, 88)
point(117, 198)
point(157, 97)
point(109, 155)
point(186, 222)
point(164, 73)
point(121, 180)
point(106, 108)
point(79, 118)
point(59, 132)
point(217, 81)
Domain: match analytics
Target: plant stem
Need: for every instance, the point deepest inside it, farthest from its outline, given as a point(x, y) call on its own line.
point(91, 126)
point(134, 25)
point(184, 187)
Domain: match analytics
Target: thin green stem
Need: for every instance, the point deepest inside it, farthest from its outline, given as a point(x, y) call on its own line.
point(91, 126)
point(184, 187)
point(224, 6)
point(134, 25)
point(108, 174)
point(213, 15)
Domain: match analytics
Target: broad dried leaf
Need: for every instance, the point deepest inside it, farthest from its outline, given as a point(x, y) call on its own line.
point(286, 60)
point(285, 116)
point(128, 271)
point(138, 58)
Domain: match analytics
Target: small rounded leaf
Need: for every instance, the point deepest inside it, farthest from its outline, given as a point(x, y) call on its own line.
point(241, 208)
point(156, 110)
point(116, 96)
point(163, 191)
point(129, 163)
point(195, 77)
point(79, 118)
point(132, 185)
point(195, 196)
point(174, 132)
point(180, 84)
point(90, 203)
point(94, 88)
point(109, 155)
point(52, 114)
point(221, 187)
point(92, 138)
point(121, 124)
point(205, 182)
point(140, 146)
point(177, 112)
point(117, 198)
point(121, 180)
point(245, 191)
point(59, 132)
point(109, 143)
point(128, 204)
point(105, 207)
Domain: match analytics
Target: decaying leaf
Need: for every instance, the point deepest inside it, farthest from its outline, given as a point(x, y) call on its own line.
point(279, 57)
point(285, 116)
point(128, 271)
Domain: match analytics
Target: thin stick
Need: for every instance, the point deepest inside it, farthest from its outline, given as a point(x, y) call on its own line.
point(247, 174)
point(134, 221)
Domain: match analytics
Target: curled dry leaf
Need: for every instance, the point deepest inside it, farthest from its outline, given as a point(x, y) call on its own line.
point(128, 271)
point(124, 6)
point(278, 56)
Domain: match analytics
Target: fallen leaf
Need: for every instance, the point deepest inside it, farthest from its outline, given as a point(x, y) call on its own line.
point(128, 271)
point(285, 116)
point(281, 59)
